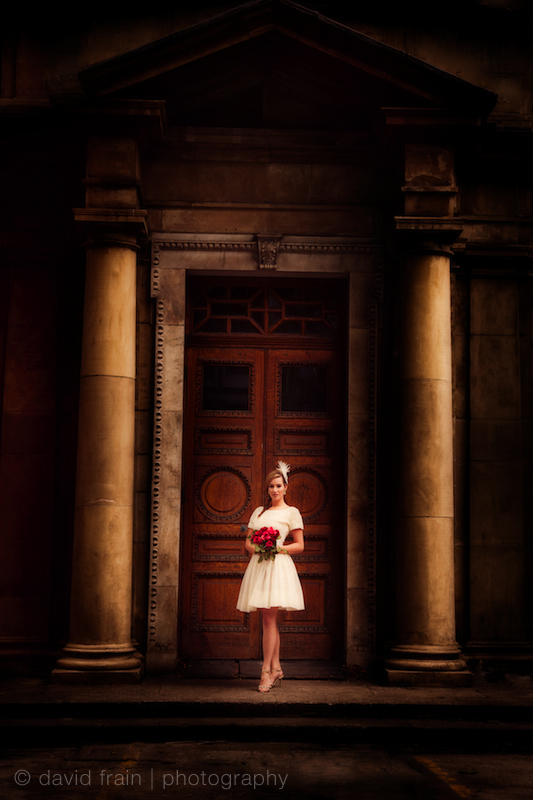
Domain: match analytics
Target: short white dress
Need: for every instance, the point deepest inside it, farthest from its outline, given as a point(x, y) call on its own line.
point(272, 584)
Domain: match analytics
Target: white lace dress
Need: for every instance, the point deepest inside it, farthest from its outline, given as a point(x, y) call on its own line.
point(272, 584)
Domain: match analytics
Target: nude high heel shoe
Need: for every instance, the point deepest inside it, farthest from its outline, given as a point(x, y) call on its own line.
point(278, 679)
point(267, 686)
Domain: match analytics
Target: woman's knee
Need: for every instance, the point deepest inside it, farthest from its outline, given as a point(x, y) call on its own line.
point(269, 616)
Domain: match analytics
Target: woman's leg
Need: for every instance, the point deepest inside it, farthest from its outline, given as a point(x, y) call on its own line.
point(275, 655)
point(270, 643)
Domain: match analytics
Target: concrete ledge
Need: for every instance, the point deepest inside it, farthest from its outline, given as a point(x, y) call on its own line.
point(406, 732)
point(96, 677)
point(429, 678)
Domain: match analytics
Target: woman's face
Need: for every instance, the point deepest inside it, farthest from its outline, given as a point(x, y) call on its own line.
point(276, 488)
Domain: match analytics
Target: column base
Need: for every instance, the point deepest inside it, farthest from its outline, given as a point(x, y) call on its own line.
point(427, 665)
point(98, 664)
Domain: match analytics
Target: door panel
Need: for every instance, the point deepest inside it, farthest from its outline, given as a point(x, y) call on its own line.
point(304, 414)
point(222, 483)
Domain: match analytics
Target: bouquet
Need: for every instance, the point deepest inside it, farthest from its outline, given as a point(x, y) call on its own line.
point(265, 543)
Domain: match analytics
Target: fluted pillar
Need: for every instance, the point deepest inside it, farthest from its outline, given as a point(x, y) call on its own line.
point(425, 651)
point(100, 618)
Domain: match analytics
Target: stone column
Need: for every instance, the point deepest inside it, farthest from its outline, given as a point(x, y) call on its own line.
point(100, 619)
point(425, 652)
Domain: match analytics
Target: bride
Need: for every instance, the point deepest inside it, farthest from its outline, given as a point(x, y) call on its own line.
point(271, 581)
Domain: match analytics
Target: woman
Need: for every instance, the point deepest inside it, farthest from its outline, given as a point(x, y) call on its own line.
point(271, 582)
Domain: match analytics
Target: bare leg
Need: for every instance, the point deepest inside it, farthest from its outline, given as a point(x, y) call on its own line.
point(275, 655)
point(276, 672)
point(270, 643)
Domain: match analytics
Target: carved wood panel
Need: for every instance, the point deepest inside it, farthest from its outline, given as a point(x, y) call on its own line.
point(311, 427)
point(222, 478)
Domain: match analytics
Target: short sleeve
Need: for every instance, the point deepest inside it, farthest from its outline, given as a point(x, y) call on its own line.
point(295, 519)
point(253, 518)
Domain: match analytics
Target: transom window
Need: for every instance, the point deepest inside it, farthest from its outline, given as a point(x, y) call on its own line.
point(242, 308)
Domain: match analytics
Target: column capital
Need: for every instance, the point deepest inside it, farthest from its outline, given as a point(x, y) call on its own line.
point(119, 227)
point(428, 235)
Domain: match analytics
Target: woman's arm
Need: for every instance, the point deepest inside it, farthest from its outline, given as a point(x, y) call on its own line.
point(297, 544)
point(250, 548)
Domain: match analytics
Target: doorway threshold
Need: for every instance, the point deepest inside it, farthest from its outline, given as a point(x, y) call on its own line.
point(297, 669)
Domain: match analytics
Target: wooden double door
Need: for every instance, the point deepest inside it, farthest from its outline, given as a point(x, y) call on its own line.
point(246, 408)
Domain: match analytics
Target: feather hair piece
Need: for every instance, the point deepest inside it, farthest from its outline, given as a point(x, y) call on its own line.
point(284, 469)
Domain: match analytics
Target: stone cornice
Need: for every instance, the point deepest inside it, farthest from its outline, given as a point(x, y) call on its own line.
point(321, 254)
point(436, 225)
point(285, 247)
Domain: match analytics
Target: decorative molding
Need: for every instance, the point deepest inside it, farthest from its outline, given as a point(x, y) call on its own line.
point(155, 284)
point(322, 432)
point(198, 626)
point(326, 627)
point(268, 247)
point(156, 480)
point(372, 458)
point(220, 537)
point(242, 558)
point(320, 248)
point(210, 513)
point(247, 432)
point(205, 246)
point(310, 471)
point(329, 249)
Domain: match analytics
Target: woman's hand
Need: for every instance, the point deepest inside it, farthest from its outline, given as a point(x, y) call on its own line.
point(297, 544)
point(249, 547)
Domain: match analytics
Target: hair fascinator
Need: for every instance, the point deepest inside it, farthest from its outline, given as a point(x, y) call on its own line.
point(284, 469)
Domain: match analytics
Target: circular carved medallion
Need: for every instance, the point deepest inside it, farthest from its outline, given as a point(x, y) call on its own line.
point(223, 493)
point(308, 492)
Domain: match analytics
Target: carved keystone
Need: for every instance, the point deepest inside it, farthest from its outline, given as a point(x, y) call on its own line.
point(268, 247)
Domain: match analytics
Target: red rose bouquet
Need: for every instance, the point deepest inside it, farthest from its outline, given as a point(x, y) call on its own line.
point(265, 543)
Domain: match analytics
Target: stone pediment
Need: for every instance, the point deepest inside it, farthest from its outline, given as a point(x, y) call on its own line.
point(274, 63)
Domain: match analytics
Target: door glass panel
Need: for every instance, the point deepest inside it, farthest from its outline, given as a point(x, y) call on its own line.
point(224, 309)
point(214, 326)
point(226, 387)
point(304, 310)
point(243, 326)
point(290, 326)
point(273, 300)
point(273, 318)
point(304, 388)
point(317, 328)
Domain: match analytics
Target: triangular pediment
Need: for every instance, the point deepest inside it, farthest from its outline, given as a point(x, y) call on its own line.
point(274, 63)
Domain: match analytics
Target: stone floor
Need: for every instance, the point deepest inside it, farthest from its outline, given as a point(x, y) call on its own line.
point(511, 691)
point(297, 710)
point(330, 739)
